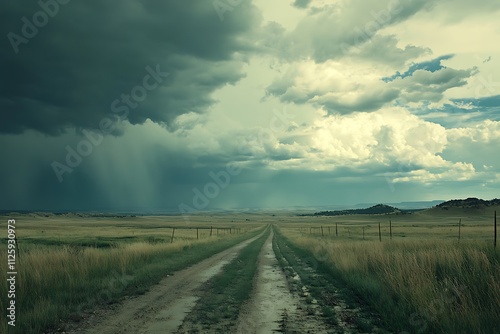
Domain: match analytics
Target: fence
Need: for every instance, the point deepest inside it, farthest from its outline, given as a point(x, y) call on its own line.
point(391, 230)
point(191, 231)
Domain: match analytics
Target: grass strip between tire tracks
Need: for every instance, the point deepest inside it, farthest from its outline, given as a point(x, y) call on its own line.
point(219, 306)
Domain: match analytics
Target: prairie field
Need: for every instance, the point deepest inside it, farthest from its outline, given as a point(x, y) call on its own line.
point(424, 278)
point(67, 265)
point(430, 271)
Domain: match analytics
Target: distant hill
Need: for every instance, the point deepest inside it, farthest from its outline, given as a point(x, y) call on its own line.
point(373, 210)
point(402, 205)
point(471, 202)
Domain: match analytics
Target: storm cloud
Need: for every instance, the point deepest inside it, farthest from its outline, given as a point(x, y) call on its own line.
point(92, 53)
point(136, 105)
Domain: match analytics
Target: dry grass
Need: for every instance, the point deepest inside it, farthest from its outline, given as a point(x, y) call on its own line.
point(78, 263)
point(51, 277)
point(108, 232)
point(420, 286)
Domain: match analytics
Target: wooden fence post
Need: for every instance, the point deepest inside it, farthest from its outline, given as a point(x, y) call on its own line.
point(322, 231)
point(379, 233)
point(172, 238)
point(363, 233)
point(197, 235)
point(390, 229)
point(495, 238)
point(210, 230)
point(459, 223)
point(336, 230)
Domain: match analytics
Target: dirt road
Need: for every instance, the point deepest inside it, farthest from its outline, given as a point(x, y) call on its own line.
point(163, 308)
point(272, 307)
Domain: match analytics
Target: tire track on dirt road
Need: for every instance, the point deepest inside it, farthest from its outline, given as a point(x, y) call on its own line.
point(341, 308)
point(272, 307)
point(163, 308)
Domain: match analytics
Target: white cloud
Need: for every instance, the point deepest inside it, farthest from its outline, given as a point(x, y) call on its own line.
point(385, 137)
point(338, 86)
point(350, 86)
point(486, 132)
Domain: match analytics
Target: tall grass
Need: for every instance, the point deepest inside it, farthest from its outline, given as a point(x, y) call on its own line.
point(419, 286)
point(54, 283)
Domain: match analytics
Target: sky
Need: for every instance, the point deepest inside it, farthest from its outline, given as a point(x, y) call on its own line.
point(198, 105)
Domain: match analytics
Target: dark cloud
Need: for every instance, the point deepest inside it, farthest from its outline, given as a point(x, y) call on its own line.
point(301, 3)
point(90, 53)
point(370, 101)
point(431, 66)
point(364, 145)
point(424, 85)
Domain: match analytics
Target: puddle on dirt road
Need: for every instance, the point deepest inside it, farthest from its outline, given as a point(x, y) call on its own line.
point(272, 307)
